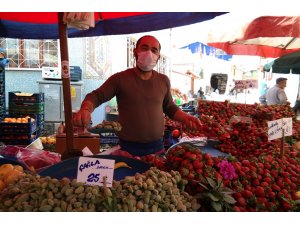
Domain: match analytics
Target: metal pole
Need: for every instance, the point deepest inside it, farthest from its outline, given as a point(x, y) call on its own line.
point(65, 71)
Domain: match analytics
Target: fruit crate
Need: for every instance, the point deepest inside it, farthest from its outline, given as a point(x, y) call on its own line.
point(18, 97)
point(40, 117)
point(11, 139)
point(26, 108)
point(109, 138)
point(10, 125)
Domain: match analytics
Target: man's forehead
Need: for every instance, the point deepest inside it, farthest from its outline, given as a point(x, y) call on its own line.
point(149, 41)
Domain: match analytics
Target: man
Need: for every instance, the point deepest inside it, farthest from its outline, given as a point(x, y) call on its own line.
point(276, 94)
point(297, 105)
point(143, 97)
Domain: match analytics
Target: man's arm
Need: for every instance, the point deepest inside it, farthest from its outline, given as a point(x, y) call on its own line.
point(263, 99)
point(282, 97)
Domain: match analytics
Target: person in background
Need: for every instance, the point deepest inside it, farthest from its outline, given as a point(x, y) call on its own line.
point(143, 97)
point(275, 95)
point(297, 105)
point(200, 93)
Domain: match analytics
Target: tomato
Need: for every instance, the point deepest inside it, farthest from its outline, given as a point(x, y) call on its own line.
point(176, 133)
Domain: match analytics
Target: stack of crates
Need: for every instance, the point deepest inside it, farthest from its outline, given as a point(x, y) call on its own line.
point(2, 91)
point(33, 105)
point(17, 130)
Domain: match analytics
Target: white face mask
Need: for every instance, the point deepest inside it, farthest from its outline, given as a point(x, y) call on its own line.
point(146, 60)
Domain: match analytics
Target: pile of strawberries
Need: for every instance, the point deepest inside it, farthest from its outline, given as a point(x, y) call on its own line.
point(265, 183)
point(263, 179)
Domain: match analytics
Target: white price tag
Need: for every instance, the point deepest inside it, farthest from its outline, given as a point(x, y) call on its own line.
point(91, 171)
point(275, 128)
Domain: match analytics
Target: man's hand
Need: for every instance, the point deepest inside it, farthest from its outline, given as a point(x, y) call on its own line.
point(82, 118)
point(192, 122)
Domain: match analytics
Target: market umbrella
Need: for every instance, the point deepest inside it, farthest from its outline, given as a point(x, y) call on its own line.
point(49, 25)
point(266, 36)
point(289, 63)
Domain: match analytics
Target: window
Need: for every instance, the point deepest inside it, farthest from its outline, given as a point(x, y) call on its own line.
point(30, 53)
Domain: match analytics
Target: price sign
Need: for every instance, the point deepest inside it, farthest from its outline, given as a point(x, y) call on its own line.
point(240, 84)
point(251, 84)
point(92, 171)
point(275, 128)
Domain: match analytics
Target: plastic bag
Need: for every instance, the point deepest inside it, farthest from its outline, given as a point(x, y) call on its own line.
point(38, 159)
point(10, 150)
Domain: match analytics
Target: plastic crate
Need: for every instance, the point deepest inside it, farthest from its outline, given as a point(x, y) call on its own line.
point(75, 73)
point(109, 138)
point(17, 127)
point(41, 128)
point(34, 98)
point(26, 108)
point(40, 117)
point(2, 87)
point(18, 139)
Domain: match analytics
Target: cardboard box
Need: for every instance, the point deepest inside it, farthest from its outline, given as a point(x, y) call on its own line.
point(92, 141)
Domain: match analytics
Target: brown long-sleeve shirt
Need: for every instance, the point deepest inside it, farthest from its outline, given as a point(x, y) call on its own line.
point(141, 104)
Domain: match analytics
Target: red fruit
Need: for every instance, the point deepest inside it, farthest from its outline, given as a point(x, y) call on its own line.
point(275, 187)
point(285, 174)
point(176, 133)
point(246, 162)
point(219, 176)
point(191, 176)
point(199, 171)
point(193, 156)
point(197, 165)
point(255, 182)
point(209, 162)
point(247, 194)
point(184, 172)
point(264, 184)
point(259, 191)
point(268, 180)
point(272, 194)
point(245, 169)
point(286, 205)
point(207, 156)
point(241, 201)
point(274, 173)
point(237, 195)
point(236, 209)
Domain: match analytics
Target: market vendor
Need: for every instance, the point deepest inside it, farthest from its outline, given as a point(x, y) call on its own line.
point(143, 97)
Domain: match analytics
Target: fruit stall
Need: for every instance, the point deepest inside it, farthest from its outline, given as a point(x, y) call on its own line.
point(236, 166)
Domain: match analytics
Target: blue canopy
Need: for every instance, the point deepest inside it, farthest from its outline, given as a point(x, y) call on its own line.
point(208, 51)
point(16, 25)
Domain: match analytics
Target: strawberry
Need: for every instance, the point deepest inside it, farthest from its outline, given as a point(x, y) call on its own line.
point(241, 201)
point(264, 184)
point(247, 194)
point(197, 164)
point(275, 187)
point(191, 176)
point(259, 191)
point(271, 194)
point(236, 209)
point(209, 162)
point(184, 171)
point(286, 205)
point(268, 180)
